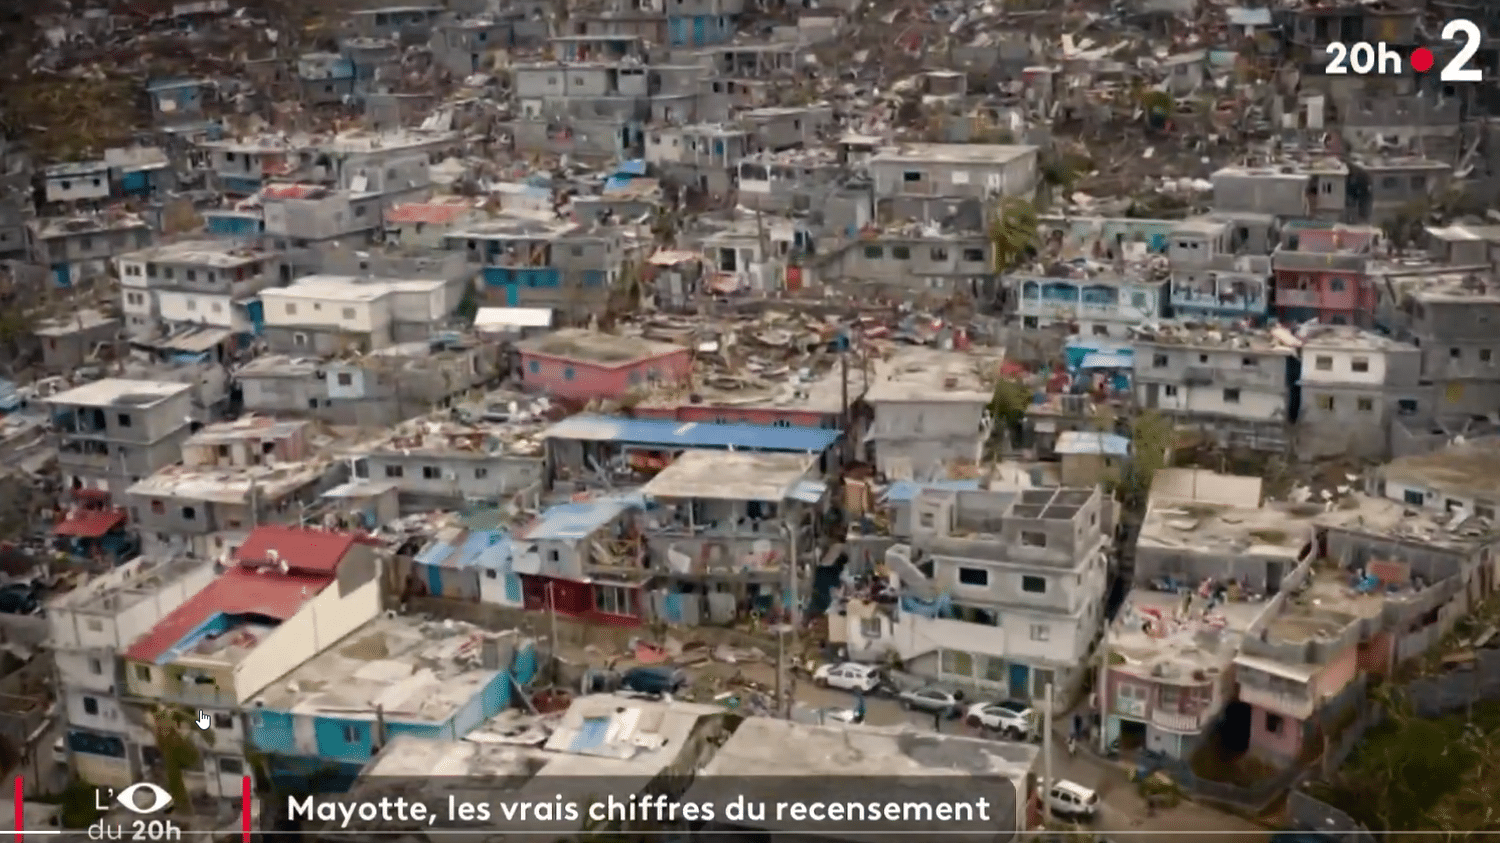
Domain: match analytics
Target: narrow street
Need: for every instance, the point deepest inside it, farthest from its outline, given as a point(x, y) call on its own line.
point(1124, 812)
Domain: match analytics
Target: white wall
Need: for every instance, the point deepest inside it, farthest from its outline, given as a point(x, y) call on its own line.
point(78, 187)
point(199, 309)
point(331, 311)
point(927, 419)
point(107, 715)
point(318, 624)
point(1253, 405)
point(1340, 363)
point(86, 670)
point(74, 630)
point(492, 589)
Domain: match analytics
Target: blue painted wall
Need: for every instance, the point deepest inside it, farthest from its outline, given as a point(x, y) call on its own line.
point(239, 184)
point(345, 740)
point(271, 732)
point(233, 225)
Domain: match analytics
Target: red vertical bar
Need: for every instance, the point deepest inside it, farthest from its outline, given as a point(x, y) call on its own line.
point(20, 807)
point(245, 797)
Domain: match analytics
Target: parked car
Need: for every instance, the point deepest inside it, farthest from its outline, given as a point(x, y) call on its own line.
point(1071, 799)
point(933, 699)
point(654, 680)
point(20, 598)
point(848, 676)
point(1014, 720)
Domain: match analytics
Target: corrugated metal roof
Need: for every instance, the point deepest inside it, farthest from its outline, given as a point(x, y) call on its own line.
point(577, 520)
point(1107, 361)
point(1080, 442)
point(676, 434)
point(902, 491)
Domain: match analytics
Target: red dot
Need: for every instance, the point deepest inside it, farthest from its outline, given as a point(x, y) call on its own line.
point(1421, 59)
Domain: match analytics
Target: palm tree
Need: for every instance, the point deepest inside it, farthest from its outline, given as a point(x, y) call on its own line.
point(1013, 232)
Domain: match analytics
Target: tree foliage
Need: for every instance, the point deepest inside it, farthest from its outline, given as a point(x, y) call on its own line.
point(173, 727)
point(1151, 439)
point(1008, 406)
point(1012, 233)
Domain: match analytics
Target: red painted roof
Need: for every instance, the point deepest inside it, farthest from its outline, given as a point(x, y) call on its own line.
point(433, 213)
point(239, 591)
point(255, 586)
point(90, 523)
point(289, 191)
point(302, 549)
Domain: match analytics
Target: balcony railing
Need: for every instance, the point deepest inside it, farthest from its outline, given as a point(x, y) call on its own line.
point(1176, 721)
point(1298, 706)
point(1296, 298)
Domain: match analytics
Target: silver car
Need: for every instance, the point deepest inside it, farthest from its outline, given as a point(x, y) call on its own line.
point(933, 699)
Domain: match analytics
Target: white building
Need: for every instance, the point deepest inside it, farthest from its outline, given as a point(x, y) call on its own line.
point(1002, 590)
point(1354, 385)
point(90, 626)
point(191, 283)
point(929, 411)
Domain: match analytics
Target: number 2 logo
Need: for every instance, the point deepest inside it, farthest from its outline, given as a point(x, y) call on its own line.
point(1458, 69)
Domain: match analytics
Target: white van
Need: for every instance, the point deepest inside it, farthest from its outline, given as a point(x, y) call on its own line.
point(1071, 799)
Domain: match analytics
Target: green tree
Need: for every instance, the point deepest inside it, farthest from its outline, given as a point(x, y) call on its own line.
point(173, 728)
point(1012, 233)
point(1156, 108)
point(1151, 440)
point(1008, 405)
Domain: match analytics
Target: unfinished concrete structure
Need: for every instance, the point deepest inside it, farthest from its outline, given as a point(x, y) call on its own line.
point(1355, 386)
point(112, 432)
point(1005, 590)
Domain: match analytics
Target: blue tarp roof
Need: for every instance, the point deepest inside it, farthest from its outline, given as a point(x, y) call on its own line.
point(906, 490)
point(576, 520)
point(669, 433)
point(1077, 442)
point(484, 548)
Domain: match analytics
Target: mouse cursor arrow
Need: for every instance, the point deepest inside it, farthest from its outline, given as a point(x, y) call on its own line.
point(203, 720)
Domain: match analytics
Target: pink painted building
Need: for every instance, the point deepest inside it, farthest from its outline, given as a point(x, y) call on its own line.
point(581, 364)
point(1322, 273)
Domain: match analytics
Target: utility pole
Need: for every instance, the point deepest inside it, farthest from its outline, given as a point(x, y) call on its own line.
point(1099, 685)
point(1047, 758)
point(552, 633)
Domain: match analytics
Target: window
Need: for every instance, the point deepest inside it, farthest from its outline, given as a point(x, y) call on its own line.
point(1231, 396)
point(1406, 407)
point(1360, 364)
point(1158, 361)
point(1484, 355)
point(1325, 402)
point(481, 473)
point(1169, 697)
point(957, 663)
point(1031, 538)
point(938, 254)
point(1249, 363)
point(974, 255)
point(1388, 183)
point(90, 705)
point(1274, 723)
point(995, 670)
point(870, 627)
point(96, 667)
point(1041, 632)
point(1365, 405)
point(291, 309)
point(926, 520)
point(1034, 585)
point(613, 600)
point(1413, 497)
point(348, 313)
point(874, 253)
point(351, 734)
point(189, 513)
point(911, 176)
point(231, 766)
point(143, 672)
point(223, 720)
point(977, 577)
point(95, 625)
point(1418, 182)
point(568, 373)
point(124, 419)
point(901, 253)
point(431, 472)
point(1481, 511)
point(1456, 353)
point(535, 367)
point(345, 379)
point(1323, 364)
point(1101, 330)
point(1170, 390)
point(1336, 285)
point(393, 471)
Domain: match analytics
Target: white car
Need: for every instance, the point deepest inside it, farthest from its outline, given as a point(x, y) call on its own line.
point(1071, 799)
point(1012, 719)
point(848, 676)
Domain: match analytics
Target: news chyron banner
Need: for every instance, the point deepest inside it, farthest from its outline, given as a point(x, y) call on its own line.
point(964, 807)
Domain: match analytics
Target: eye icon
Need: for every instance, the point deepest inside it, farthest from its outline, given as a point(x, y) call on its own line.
point(155, 797)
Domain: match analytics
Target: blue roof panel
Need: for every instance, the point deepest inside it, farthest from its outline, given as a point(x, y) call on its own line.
point(576, 520)
point(1080, 442)
point(666, 433)
point(902, 491)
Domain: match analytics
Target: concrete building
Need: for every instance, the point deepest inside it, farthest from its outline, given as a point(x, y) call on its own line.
point(234, 477)
point(1004, 590)
point(584, 364)
point(288, 594)
point(1212, 277)
point(444, 465)
point(112, 432)
point(1453, 479)
point(922, 260)
point(1317, 189)
point(929, 411)
point(1100, 299)
point(524, 262)
point(1355, 385)
point(1450, 319)
point(915, 174)
point(379, 679)
point(323, 314)
point(90, 627)
point(725, 527)
point(78, 249)
point(1330, 286)
point(1238, 386)
point(193, 283)
point(78, 339)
